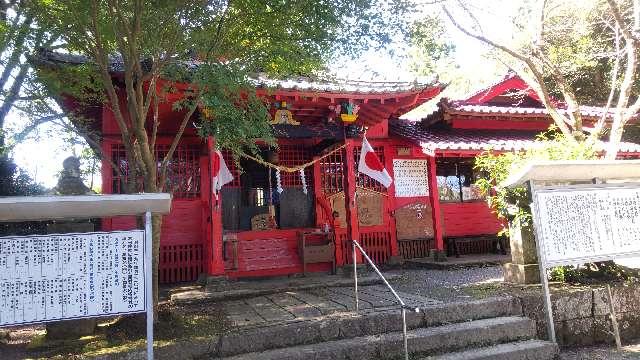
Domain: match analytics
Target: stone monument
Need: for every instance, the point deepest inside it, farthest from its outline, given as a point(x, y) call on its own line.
point(70, 183)
point(523, 268)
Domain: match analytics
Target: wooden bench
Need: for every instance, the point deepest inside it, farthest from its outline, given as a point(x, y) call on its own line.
point(453, 243)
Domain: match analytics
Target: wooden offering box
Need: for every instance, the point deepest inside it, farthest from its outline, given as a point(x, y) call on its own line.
point(316, 247)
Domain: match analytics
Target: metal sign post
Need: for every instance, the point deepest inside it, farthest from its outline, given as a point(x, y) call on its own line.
point(551, 330)
point(148, 271)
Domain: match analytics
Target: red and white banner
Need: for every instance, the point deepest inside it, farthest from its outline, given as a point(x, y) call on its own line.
point(370, 164)
point(220, 173)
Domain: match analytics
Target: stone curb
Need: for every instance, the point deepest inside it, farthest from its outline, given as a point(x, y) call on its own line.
point(204, 295)
point(422, 341)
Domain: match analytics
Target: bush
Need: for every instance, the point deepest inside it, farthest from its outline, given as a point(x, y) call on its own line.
point(512, 204)
point(16, 182)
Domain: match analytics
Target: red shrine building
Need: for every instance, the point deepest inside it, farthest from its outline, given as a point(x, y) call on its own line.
point(296, 208)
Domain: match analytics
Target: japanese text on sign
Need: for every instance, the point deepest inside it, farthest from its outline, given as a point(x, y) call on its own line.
point(411, 178)
point(55, 277)
point(578, 225)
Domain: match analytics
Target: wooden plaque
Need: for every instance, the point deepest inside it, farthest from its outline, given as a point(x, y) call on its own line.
point(414, 221)
point(370, 207)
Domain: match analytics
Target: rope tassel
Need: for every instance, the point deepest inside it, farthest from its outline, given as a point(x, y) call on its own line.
point(278, 182)
point(303, 180)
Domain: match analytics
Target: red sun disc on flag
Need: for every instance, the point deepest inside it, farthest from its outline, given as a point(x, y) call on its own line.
point(372, 161)
point(215, 165)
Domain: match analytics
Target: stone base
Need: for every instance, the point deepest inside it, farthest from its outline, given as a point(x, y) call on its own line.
point(347, 270)
point(71, 329)
point(206, 280)
point(521, 274)
point(395, 261)
point(438, 255)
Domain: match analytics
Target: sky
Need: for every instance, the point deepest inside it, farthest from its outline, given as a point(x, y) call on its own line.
point(42, 155)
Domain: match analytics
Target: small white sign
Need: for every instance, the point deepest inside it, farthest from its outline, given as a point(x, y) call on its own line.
point(69, 276)
point(411, 178)
point(577, 224)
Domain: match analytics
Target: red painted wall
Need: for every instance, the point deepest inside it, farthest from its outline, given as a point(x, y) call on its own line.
point(469, 219)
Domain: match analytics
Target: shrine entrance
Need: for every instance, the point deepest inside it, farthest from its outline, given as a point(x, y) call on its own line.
point(264, 211)
point(375, 226)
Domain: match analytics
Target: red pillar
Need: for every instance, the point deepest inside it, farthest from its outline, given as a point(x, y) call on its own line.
point(435, 204)
point(353, 227)
point(391, 199)
point(213, 244)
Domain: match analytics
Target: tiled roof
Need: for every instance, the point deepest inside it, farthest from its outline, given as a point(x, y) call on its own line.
point(344, 85)
point(474, 140)
point(332, 85)
point(464, 109)
point(507, 76)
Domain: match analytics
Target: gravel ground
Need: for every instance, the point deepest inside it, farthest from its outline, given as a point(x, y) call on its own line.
point(602, 353)
point(448, 284)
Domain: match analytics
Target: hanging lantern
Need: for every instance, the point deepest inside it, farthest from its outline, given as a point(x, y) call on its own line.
point(349, 113)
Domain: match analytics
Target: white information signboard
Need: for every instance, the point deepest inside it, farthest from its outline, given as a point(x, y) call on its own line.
point(54, 277)
point(410, 177)
point(585, 224)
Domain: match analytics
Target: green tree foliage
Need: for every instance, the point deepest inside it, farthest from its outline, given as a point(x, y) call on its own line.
point(19, 36)
point(431, 49)
point(15, 181)
point(512, 204)
point(213, 45)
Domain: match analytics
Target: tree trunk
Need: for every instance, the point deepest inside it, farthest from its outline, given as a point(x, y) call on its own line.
point(614, 140)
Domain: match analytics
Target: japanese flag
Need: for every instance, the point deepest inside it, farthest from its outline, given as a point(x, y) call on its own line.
point(370, 164)
point(220, 173)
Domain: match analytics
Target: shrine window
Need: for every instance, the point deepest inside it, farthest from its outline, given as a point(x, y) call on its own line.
point(183, 170)
point(456, 179)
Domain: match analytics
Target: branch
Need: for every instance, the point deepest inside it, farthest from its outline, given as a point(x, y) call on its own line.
point(156, 121)
point(14, 58)
point(614, 78)
point(13, 93)
point(176, 139)
point(617, 15)
point(542, 90)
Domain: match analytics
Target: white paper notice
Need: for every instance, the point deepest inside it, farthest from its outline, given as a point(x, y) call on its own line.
point(56, 277)
point(410, 177)
point(589, 223)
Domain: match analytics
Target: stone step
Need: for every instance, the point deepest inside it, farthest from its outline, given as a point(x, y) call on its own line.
point(349, 325)
point(520, 350)
point(422, 342)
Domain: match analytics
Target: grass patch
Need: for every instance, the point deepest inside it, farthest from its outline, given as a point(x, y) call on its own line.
point(188, 322)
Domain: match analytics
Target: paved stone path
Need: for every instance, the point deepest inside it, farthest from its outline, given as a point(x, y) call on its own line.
point(313, 303)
